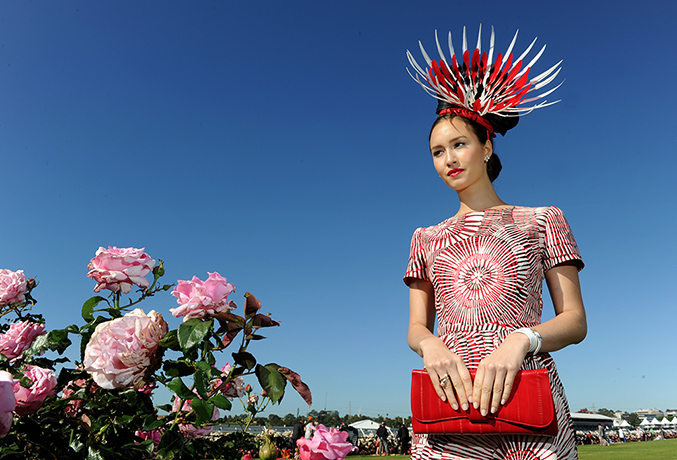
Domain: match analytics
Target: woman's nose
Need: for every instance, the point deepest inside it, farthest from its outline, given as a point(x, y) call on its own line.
point(451, 158)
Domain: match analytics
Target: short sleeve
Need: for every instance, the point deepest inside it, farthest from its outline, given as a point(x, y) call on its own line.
point(560, 245)
point(416, 268)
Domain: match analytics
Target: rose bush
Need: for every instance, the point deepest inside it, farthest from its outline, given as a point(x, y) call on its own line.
point(326, 444)
point(29, 399)
point(18, 338)
point(119, 269)
point(12, 287)
point(122, 353)
point(188, 430)
point(101, 406)
point(198, 299)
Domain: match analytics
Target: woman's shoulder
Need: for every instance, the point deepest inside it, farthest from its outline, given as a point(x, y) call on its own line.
point(538, 209)
point(423, 232)
point(539, 212)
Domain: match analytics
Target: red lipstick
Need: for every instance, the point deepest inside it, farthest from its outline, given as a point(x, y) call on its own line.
point(455, 172)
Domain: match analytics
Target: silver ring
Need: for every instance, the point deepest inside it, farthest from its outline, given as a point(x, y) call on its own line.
point(444, 380)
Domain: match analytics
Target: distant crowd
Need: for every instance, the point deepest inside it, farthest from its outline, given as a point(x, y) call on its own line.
point(606, 436)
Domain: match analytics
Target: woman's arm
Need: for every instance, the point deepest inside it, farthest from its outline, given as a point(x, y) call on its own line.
point(569, 326)
point(438, 360)
point(496, 373)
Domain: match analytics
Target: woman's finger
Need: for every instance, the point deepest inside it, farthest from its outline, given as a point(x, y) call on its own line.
point(508, 386)
point(498, 389)
point(448, 387)
point(462, 382)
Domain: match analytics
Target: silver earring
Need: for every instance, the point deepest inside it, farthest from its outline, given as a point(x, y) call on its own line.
point(486, 159)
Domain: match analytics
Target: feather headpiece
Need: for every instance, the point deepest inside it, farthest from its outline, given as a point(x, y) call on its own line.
point(480, 89)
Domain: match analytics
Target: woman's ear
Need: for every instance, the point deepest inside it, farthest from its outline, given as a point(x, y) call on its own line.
point(488, 148)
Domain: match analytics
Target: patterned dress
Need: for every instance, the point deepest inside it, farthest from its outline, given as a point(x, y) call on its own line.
point(487, 268)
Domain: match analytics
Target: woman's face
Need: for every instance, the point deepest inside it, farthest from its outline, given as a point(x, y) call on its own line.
point(458, 155)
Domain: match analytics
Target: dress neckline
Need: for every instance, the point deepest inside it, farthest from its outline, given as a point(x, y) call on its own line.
point(482, 211)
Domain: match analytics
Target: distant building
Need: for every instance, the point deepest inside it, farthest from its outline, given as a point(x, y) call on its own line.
point(590, 422)
point(649, 414)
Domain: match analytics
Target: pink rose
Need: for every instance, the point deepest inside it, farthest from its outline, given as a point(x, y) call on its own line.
point(12, 287)
point(190, 431)
point(118, 269)
point(123, 352)
point(19, 338)
point(69, 390)
point(29, 400)
point(325, 445)
point(198, 299)
point(7, 402)
point(235, 388)
point(155, 435)
point(247, 456)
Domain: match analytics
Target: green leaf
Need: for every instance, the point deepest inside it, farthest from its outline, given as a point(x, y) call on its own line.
point(151, 422)
point(171, 341)
point(58, 340)
point(245, 359)
point(177, 368)
point(180, 388)
point(221, 402)
point(192, 332)
point(272, 381)
point(89, 305)
point(170, 445)
point(201, 381)
point(208, 368)
point(40, 344)
point(124, 420)
point(147, 446)
point(204, 410)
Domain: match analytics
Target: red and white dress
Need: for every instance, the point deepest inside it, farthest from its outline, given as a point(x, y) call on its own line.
point(487, 268)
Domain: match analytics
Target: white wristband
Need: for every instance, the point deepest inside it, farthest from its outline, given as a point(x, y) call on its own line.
point(535, 339)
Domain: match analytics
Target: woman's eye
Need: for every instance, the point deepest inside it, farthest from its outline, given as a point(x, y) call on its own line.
point(459, 144)
point(437, 153)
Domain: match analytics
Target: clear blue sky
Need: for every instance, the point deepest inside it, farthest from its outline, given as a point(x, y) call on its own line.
point(283, 145)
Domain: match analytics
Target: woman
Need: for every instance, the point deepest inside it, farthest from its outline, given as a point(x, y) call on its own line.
point(481, 271)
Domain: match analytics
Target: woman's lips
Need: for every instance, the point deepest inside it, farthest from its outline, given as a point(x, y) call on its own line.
point(454, 172)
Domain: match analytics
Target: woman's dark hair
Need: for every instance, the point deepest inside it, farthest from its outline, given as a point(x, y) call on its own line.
point(494, 165)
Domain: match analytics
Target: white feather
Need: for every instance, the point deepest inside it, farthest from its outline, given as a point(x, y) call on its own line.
point(425, 55)
point(525, 52)
point(546, 81)
point(439, 48)
point(531, 63)
point(545, 74)
point(512, 44)
point(451, 47)
point(465, 42)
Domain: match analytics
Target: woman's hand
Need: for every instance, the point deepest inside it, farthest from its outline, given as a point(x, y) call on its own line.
point(496, 373)
point(448, 373)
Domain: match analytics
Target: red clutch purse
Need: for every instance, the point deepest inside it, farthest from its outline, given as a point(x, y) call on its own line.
point(530, 409)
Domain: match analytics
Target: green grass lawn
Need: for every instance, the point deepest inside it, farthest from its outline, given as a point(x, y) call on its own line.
point(649, 450)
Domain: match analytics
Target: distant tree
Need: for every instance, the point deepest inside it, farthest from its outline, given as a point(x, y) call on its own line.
point(275, 420)
point(633, 419)
point(607, 412)
point(289, 420)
